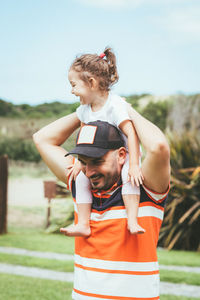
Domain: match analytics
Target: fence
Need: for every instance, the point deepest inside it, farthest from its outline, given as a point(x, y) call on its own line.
point(3, 193)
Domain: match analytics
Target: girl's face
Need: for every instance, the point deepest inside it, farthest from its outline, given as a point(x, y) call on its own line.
point(80, 88)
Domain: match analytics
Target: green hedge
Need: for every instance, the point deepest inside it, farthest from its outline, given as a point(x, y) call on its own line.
point(19, 149)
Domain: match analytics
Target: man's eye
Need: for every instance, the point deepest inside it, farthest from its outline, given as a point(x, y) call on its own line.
point(82, 162)
point(98, 162)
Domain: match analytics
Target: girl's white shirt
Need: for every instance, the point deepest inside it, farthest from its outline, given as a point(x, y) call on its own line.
point(114, 111)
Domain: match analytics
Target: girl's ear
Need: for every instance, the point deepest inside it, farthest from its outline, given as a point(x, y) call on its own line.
point(93, 83)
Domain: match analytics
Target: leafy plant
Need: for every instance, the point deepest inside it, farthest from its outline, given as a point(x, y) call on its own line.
point(181, 224)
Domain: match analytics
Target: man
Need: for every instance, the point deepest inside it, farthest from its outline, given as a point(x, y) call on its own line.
point(112, 263)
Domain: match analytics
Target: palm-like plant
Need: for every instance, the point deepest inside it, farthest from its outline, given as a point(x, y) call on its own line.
point(181, 225)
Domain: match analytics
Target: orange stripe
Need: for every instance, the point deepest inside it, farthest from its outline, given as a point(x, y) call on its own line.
point(101, 196)
point(113, 297)
point(117, 244)
point(117, 271)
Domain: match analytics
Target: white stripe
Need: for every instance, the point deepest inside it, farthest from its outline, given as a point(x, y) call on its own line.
point(155, 196)
point(144, 211)
point(150, 211)
point(110, 214)
point(121, 285)
point(116, 265)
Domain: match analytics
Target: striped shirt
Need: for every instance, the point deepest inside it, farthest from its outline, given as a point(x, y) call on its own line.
point(111, 263)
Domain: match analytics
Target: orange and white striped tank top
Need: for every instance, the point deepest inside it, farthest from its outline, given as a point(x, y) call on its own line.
point(112, 263)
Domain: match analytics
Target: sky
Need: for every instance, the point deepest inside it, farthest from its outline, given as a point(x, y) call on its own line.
point(156, 42)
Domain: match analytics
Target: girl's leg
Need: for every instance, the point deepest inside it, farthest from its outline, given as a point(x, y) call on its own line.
point(131, 198)
point(84, 202)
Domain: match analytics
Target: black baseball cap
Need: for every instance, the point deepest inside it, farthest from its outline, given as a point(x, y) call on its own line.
point(95, 139)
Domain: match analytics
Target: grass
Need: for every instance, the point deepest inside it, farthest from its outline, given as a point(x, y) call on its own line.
point(22, 288)
point(14, 287)
point(180, 277)
point(31, 239)
point(29, 261)
point(172, 297)
point(179, 258)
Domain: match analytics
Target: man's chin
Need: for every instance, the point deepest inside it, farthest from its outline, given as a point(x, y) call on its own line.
point(97, 185)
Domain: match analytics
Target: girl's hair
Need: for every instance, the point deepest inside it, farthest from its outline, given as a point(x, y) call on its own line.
point(103, 69)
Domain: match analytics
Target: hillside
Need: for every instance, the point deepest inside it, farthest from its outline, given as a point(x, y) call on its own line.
point(45, 110)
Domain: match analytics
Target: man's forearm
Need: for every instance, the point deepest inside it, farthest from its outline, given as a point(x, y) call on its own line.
point(48, 141)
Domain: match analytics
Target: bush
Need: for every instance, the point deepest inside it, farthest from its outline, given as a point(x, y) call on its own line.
point(19, 149)
point(157, 113)
point(181, 223)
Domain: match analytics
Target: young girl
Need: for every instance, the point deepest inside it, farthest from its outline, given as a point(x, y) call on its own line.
point(91, 77)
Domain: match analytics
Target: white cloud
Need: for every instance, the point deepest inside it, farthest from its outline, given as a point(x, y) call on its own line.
point(184, 21)
point(119, 4)
point(113, 4)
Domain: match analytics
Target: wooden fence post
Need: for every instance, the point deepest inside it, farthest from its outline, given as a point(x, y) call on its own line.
point(49, 193)
point(3, 193)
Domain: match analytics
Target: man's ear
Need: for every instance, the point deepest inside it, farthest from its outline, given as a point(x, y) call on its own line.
point(121, 155)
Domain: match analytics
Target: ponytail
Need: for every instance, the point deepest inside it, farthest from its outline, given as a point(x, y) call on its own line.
point(111, 60)
point(102, 67)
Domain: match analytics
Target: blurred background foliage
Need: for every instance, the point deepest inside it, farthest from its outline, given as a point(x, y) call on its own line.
point(177, 115)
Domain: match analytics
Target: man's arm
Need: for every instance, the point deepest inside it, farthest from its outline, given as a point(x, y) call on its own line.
point(48, 141)
point(156, 165)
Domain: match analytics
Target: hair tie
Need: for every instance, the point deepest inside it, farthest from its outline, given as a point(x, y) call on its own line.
point(102, 55)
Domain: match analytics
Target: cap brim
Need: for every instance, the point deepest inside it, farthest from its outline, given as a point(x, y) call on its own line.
point(88, 151)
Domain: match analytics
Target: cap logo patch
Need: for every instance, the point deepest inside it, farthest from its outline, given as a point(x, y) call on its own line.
point(87, 134)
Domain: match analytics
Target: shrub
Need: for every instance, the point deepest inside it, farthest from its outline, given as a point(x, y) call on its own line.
point(19, 149)
point(181, 223)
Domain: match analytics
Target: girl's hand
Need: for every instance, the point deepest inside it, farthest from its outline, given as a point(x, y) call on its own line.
point(135, 175)
point(74, 170)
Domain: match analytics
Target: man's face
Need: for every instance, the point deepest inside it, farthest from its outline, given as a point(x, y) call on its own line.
point(102, 172)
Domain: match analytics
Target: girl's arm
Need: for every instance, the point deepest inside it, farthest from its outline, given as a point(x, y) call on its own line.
point(48, 141)
point(134, 152)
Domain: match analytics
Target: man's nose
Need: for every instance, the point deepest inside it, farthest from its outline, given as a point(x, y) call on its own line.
point(89, 170)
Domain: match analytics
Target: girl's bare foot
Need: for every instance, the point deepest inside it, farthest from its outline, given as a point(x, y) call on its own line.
point(76, 230)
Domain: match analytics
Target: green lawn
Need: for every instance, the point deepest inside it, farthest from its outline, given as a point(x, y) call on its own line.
point(28, 261)
point(180, 277)
point(172, 297)
point(14, 287)
point(179, 258)
point(31, 239)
